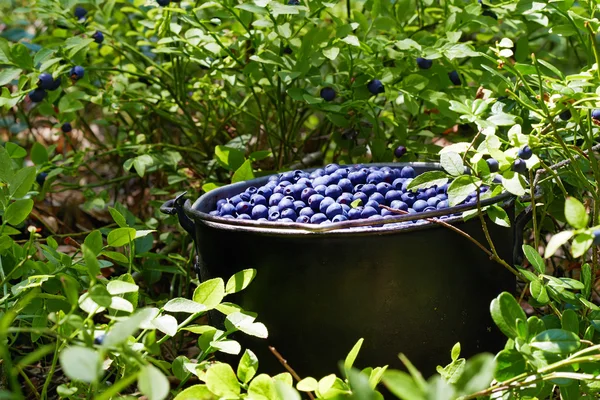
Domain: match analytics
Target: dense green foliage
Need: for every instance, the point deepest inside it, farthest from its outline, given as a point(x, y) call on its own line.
point(96, 297)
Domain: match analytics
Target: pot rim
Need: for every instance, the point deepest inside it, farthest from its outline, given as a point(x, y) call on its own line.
point(340, 228)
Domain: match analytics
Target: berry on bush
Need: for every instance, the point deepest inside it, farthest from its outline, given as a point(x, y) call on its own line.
point(55, 84)
point(294, 2)
point(98, 37)
point(375, 87)
point(565, 115)
point(400, 151)
point(163, 3)
point(80, 12)
point(41, 178)
point(596, 114)
point(37, 95)
point(525, 153)
point(596, 235)
point(454, 77)
point(328, 93)
point(519, 166)
point(77, 72)
point(424, 63)
point(492, 164)
point(45, 81)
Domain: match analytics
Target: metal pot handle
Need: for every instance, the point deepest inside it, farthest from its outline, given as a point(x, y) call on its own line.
point(175, 206)
point(520, 222)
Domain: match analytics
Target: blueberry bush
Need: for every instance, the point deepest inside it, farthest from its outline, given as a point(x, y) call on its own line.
point(108, 108)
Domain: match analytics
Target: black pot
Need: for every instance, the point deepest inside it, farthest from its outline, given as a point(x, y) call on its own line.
point(416, 289)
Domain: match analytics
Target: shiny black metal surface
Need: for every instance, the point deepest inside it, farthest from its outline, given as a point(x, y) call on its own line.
point(416, 290)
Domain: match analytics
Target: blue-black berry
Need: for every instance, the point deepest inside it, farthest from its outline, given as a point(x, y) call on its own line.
point(454, 78)
point(45, 81)
point(66, 127)
point(163, 3)
point(519, 166)
point(37, 95)
point(596, 235)
point(77, 72)
point(375, 87)
point(98, 37)
point(424, 63)
point(55, 84)
point(400, 151)
point(328, 93)
point(492, 164)
point(596, 114)
point(41, 178)
point(80, 12)
point(565, 115)
point(525, 153)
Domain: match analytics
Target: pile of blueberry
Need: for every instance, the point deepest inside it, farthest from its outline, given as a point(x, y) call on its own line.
point(334, 194)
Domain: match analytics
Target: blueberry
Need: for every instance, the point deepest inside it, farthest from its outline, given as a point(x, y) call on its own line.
point(422, 195)
point(355, 213)
point(489, 13)
point(55, 84)
point(303, 219)
point(285, 220)
point(244, 196)
point(322, 180)
point(339, 218)
point(260, 211)
point(289, 213)
point(163, 3)
point(357, 177)
point(318, 218)
point(315, 200)
point(399, 205)
point(321, 189)
point(331, 168)
point(346, 185)
point(316, 173)
point(372, 203)
point(442, 189)
point(407, 182)
point(286, 202)
point(328, 93)
point(327, 201)
point(368, 212)
point(294, 2)
point(275, 199)
point(99, 339)
point(333, 210)
point(77, 72)
point(283, 183)
point(596, 235)
point(257, 199)
point(525, 153)
point(333, 191)
point(368, 189)
point(345, 198)
point(408, 198)
point(80, 12)
point(294, 190)
point(306, 193)
point(407, 172)
point(251, 190)
point(220, 203)
point(498, 179)
point(386, 213)
point(433, 201)
point(37, 95)
point(375, 177)
point(45, 81)
point(419, 205)
point(492, 164)
point(519, 166)
point(227, 209)
point(273, 215)
point(360, 196)
point(397, 184)
point(429, 208)
point(393, 195)
point(375, 87)
point(377, 197)
point(243, 207)
point(66, 127)
point(383, 187)
point(454, 78)
point(565, 115)
point(41, 178)
point(307, 211)
point(288, 176)
point(596, 114)
point(98, 37)
point(424, 63)
point(299, 205)
point(244, 216)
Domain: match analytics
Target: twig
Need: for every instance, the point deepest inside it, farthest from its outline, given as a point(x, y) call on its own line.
point(561, 164)
point(287, 366)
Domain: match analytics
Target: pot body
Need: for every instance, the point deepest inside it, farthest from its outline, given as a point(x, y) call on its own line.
point(416, 290)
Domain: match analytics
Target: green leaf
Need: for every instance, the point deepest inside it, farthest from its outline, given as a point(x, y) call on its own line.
point(351, 357)
point(178, 367)
point(141, 163)
point(181, 304)
point(575, 213)
point(21, 57)
point(15, 151)
point(17, 212)
point(229, 157)
point(556, 241)
point(7, 75)
point(498, 216)
point(91, 262)
point(505, 311)
point(539, 292)
point(21, 182)
point(586, 279)
point(452, 162)
point(6, 165)
point(121, 237)
point(116, 287)
point(167, 324)
point(509, 363)
point(581, 244)
point(534, 258)
point(120, 331)
point(221, 380)
point(514, 183)
point(247, 367)
point(243, 173)
point(39, 154)
point(570, 321)
point(455, 353)
point(428, 179)
point(196, 392)
point(460, 188)
point(478, 373)
point(557, 341)
point(402, 385)
point(262, 388)
point(118, 217)
point(70, 102)
point(153, 383)
point(81, 364)
point(331, 53)
point(308, 384)
point(100, 295)
point(93, 241)
point(240, 281)
point(210, 293)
